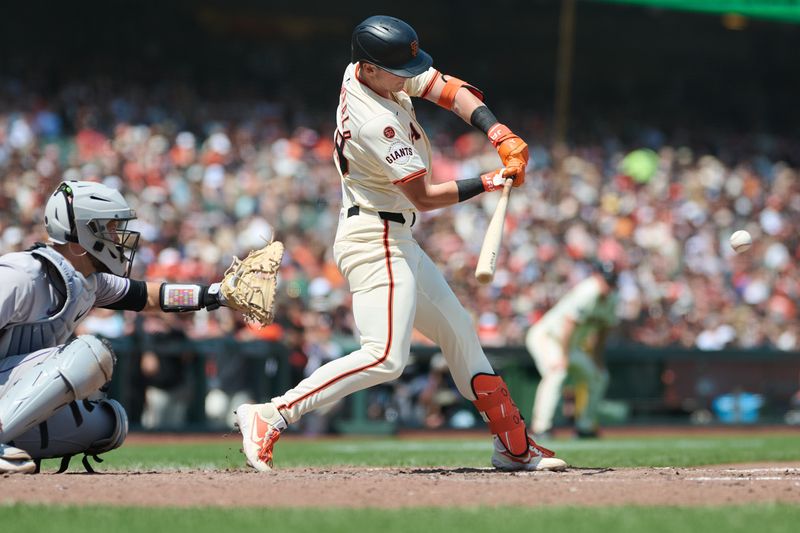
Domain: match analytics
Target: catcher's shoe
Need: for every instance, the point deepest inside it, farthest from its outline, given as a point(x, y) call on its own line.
point(261, 425)
point(15, 461)
point(537, 458)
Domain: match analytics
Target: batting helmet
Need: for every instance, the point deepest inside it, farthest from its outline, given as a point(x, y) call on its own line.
point(390, 44)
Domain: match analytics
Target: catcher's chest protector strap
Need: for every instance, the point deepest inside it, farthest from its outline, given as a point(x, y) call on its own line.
point(495, 403)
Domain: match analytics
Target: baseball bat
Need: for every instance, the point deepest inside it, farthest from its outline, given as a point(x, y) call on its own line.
point(487, 260)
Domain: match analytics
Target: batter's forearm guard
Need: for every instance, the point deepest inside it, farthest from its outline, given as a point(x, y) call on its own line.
point(182, 297)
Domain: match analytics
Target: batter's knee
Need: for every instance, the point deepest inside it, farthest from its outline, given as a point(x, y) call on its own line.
point(392, 361)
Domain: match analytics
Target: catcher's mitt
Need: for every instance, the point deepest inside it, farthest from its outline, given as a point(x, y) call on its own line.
point(249, 284)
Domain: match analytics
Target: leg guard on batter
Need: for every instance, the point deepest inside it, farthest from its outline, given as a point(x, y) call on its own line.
point(80, 368)
point(90, 427)
point(498, 409)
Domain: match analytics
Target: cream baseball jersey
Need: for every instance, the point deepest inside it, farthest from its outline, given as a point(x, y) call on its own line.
point(577, 305)
point(603, 314)
point(379, 143)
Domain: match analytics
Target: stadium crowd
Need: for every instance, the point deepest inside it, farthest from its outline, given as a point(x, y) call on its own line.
point(213, 178)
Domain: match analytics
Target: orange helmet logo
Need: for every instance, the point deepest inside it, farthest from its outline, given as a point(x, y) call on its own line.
point(414, 48)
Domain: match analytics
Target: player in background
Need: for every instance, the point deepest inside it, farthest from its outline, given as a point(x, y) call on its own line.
point(384, 158)
point(570, 339)
point(51, 402)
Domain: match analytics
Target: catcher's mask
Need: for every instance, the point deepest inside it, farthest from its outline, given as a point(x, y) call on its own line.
point(95, 217)
point(390, 44)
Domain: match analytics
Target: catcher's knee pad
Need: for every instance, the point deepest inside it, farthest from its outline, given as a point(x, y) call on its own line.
point(86, 364)
point(495, 404)
point(77, 370)
point(90, 427)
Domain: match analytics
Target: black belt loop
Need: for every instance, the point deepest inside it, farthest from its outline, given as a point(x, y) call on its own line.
point(384, 215)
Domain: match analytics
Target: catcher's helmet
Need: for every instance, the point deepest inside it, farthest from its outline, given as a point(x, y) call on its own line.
point(390, 44)
point(95, 217)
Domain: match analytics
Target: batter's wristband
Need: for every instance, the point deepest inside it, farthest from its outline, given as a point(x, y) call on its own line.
point(483, 119)
point(469, 188)
point(183, 297)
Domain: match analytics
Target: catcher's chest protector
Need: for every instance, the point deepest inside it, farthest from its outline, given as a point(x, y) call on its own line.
point(48, 332)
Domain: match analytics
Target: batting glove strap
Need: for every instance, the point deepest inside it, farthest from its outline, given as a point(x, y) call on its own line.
point(499, 133)
point(493, 180)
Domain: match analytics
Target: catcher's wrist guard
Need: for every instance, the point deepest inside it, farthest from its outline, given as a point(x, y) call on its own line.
point(182, 297)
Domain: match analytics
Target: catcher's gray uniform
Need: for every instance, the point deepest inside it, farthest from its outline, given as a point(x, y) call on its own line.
point(50, 404)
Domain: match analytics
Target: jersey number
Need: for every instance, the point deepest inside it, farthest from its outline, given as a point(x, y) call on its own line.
point(341, 160)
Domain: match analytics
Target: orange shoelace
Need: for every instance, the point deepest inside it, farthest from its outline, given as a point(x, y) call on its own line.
point(265, 453)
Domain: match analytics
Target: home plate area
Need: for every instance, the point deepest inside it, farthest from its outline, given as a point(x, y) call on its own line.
point(413, 487)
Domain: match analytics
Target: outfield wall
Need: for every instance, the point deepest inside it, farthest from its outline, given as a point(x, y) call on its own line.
point(648, 385)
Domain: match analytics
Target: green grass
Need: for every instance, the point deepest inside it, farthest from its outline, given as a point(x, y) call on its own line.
point(454, 452)
point(36, 518)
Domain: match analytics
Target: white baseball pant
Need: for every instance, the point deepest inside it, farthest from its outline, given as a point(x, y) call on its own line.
point(395, 287)
point(553, 365)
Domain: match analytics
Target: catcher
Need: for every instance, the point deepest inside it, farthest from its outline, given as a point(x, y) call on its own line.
point(52, 402)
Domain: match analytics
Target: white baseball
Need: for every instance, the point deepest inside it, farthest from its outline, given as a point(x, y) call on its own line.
point(741, 241)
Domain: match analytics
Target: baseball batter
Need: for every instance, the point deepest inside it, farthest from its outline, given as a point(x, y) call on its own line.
point(51, 402)
point(569, 339)
point(384, 159)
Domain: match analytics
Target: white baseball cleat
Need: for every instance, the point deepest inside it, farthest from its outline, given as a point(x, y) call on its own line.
point(15, 461)
point(537, 458)
point(261, 425)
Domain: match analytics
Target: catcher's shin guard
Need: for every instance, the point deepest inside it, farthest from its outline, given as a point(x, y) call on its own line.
point(89, 427)
point(80, 368)
point(498, 409)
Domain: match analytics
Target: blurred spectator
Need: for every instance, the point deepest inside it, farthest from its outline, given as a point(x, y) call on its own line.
point(167, 375)
point(439, 397)
point(210, 178)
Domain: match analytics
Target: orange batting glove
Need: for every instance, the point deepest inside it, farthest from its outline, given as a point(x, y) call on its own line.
point(516, 168)
point(512, 150)
point(494, 180)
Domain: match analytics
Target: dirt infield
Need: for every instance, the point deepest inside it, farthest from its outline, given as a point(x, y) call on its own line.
point(414, 487)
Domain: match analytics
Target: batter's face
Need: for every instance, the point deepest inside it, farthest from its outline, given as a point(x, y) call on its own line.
point(380, 81)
